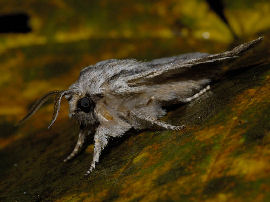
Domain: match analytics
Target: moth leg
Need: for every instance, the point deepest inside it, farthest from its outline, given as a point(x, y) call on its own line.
point(156, 122)
point(78, 147)
point(101, 140)
point(189, 99)
point(166, 125)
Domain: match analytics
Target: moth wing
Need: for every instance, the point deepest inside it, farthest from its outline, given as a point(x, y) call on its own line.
point(180, 78)
point(166, 80)
point(193, 66)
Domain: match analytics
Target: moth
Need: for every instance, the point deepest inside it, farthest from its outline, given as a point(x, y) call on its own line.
point(113, 96)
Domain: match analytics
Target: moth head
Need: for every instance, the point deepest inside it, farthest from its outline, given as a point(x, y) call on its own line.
point(81, 107)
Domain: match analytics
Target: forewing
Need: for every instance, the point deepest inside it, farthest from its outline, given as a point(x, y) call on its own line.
point(186, 67)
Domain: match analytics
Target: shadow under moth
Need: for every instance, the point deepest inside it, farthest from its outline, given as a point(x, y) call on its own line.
point(113, 96)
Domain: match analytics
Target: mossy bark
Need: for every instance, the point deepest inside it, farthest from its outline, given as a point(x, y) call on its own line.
point(221, 155)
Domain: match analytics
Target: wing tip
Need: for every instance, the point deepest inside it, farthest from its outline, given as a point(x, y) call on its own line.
point(247, 46)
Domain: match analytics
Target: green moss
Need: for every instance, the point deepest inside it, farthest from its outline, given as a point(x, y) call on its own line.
point(171, 175)
point(220, 185)
point(260, 126)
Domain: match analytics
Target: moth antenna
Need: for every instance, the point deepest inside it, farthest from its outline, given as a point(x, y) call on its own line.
point(57, 104)
point(37, 105)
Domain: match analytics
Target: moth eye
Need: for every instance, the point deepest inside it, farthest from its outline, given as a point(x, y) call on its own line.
point(84, 104)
